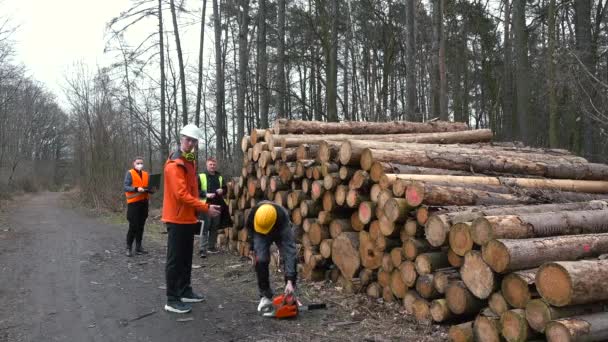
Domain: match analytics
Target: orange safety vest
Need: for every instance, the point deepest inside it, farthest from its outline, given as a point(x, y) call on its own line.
point(137, 182)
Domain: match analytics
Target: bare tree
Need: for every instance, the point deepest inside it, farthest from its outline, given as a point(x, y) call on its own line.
point(199, 88)
point(180, 59)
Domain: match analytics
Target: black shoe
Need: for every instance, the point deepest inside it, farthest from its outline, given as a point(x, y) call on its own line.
point(203, 255)
point(178, 307)
point(192, 297)
point(139, 250)
point(129, 253)
point(213, 251)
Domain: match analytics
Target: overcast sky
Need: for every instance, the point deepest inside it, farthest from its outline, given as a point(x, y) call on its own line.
point(54, 34)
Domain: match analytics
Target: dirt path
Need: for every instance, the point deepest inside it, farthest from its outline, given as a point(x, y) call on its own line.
point(64, 278)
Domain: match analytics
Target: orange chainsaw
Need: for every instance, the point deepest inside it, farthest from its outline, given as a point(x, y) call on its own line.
point(288, 306)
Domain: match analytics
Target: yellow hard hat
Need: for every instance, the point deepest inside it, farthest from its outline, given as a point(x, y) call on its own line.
point(265, 218)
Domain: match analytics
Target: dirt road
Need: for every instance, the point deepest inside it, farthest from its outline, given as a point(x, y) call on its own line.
point(64, 278)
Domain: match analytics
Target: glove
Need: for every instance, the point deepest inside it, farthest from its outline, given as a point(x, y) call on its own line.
point(289, 288)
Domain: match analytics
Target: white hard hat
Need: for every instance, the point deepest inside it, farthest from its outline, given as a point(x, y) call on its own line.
point(192, 131)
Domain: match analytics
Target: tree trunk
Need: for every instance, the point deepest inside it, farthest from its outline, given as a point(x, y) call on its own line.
point(551, 78)
point(332, 67)
point(526, 226)
point(507, 98)
point(438, 226)
point(513, 255)
point(180, 58)
point(199, 88)
point(243, 64)
point(593, 327)
point(164, 146)
point(582, 16)
point(219, 71)
point(596, 187)
point(521, 69)
point(345, 253)
point(283, 126)
point(574, 282)
point(262, 66)
point(483, 160)
point(282, 90)
point(412, 106)
point(539, 313)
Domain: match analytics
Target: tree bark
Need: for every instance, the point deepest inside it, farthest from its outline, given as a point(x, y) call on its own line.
point(262, 66)
point(513, 255)
point(180, 58)
point(438, 226)
point(551, 78)
point(164, 146)
point(219, 83)
point(593, 327)
point(521, 69)
point(282, 89)
point(539, 313)
point(199, 88)
point(573, 282)
point(283, 126)
point(412, 106)
point(526, 226)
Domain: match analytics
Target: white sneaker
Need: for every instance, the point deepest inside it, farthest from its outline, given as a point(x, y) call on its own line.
point(265, 305)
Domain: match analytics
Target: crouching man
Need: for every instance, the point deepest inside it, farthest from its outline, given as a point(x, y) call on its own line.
point(268, 223)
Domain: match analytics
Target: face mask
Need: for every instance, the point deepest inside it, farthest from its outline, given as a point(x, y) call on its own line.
point(138, 167)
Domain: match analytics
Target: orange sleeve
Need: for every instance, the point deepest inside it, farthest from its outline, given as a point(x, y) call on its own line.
point(176, 177)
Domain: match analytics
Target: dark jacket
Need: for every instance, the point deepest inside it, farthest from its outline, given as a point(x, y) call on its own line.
point(281, 233)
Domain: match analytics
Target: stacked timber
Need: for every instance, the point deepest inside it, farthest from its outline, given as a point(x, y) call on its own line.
point(492, 238)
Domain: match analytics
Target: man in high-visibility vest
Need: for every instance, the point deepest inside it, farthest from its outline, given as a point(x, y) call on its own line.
point(137, 194)
point(211, 190)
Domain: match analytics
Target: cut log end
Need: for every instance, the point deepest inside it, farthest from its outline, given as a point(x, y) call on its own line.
point(460, 238)
point(436, 231)
point(516, 291)
point(486, 329)
point(514, 325)
point(554, 284)
point(414, 194)
point(496, 255)
point(461, 333)
point(538, 314)
point(481, 231)
point(477, 275)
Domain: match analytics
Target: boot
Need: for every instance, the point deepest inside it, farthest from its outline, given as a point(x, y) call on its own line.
point(140, 250)
point(129, 253)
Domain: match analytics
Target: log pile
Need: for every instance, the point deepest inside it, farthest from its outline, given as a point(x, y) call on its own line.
point(499, 240)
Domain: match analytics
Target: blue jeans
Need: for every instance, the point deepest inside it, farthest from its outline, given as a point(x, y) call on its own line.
point(209, 233)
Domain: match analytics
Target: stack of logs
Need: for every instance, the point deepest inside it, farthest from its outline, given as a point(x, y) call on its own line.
point(500, 240)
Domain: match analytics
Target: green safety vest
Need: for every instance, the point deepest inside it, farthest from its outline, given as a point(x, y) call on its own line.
point(203, 178)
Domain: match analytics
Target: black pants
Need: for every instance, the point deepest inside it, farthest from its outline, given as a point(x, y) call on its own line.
point(137, 213)
point(178, 270)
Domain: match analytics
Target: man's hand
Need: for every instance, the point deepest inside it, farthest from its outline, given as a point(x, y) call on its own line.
point(289, 287)
point(220, 191)
point(214, 210)
point(140, 189)
point(210, 195)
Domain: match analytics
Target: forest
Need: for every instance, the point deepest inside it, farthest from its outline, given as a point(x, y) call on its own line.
point(531, 71)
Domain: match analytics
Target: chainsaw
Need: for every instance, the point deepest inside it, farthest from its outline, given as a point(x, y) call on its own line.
point(288, 306)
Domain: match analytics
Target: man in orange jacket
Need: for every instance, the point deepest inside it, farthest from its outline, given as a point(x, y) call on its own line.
point(180, 205)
